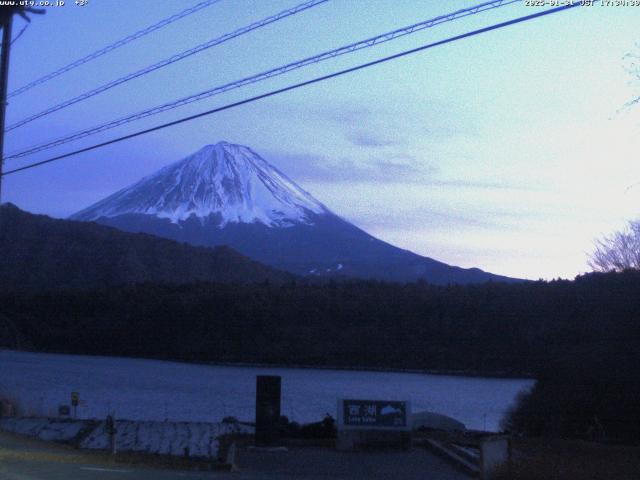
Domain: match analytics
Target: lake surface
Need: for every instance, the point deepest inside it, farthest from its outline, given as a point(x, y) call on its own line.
point(159, 390)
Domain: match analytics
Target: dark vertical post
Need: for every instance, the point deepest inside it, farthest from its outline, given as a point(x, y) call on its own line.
point(268, 390)
point(75, 399)
point(4, 78)
point(110, 427)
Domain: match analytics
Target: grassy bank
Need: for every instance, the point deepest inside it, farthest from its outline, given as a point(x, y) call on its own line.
point(544, 459)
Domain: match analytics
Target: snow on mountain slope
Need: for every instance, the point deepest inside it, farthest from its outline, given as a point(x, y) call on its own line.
point(227, 194)
point(229, 182)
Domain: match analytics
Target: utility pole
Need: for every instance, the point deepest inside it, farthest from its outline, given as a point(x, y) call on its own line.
point(7, 21)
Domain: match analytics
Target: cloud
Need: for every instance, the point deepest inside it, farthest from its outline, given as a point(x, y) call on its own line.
point(425, 217)
point(393, 168)
point(485, 185)
point(348, 116)
point(361, 138)
point(380, 127)
point(360, 127)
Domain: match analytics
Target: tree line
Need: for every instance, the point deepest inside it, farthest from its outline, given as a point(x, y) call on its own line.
point(581, 338)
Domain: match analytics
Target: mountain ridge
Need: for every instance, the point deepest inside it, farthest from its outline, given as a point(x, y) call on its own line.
point(225, 179)
point(226, 194)
point(43, 253)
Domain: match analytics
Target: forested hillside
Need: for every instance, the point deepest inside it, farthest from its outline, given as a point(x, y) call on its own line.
point(41, 253)
point(501, 328)
point(580, 338)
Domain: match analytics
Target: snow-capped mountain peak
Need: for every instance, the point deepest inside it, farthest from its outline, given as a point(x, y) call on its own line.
point(225, 181)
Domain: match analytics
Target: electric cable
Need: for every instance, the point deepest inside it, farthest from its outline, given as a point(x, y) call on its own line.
point(353, 47)
point(168, 61)
point(298, 85)
point(113, 46)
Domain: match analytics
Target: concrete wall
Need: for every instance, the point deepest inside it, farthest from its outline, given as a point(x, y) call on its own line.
point(494, 452)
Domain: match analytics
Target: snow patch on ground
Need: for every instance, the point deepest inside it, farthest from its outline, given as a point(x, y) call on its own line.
point(193, 439)
point(44, 428)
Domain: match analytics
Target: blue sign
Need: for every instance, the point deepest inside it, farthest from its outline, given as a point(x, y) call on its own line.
point(374, 413)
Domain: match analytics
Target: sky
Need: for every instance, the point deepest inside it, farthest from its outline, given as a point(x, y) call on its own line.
point(510, 151)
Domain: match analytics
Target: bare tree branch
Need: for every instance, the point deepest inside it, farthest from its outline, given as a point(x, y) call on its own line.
point(619, 251)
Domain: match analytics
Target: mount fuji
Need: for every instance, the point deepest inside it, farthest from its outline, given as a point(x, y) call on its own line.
point(227, 194)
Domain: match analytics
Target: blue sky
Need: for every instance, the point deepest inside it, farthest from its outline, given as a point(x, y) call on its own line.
point(509, 151)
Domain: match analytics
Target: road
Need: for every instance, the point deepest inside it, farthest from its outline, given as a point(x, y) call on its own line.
point(324, 464)
point(37, 470)
point(27, 459)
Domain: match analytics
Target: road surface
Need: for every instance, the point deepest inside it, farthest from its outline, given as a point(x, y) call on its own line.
point(27, 459)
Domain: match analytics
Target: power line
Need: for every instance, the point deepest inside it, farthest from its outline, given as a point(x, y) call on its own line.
point(299, 85)
point(370, 42)
point(113, 46)
point(22, 30)
point(168, 61)
point(15, 39)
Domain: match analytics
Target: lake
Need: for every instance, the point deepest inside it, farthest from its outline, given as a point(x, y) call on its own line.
point(158, 390)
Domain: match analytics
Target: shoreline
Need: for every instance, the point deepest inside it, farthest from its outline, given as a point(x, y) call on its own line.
point(441, 372)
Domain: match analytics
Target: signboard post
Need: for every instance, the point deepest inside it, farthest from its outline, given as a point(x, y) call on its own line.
point(268, 388)
point(75, 399)
point(110, 427)
point(494, 452)
point(369, 423)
